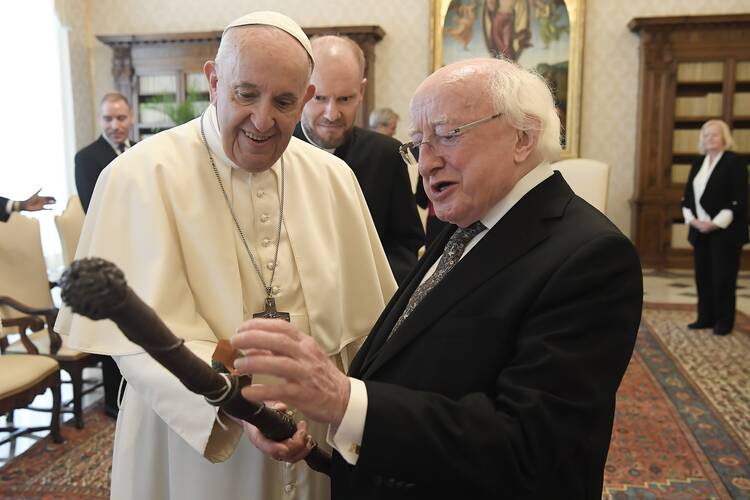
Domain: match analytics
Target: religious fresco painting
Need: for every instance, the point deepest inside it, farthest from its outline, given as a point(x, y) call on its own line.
point(544, 35)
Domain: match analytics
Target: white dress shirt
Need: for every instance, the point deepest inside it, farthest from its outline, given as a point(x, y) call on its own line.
point(347, 438)
point(725, 216)
point(115, 146)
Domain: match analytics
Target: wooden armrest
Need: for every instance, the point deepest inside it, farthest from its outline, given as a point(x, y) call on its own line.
point(49, 314)
point(18, 306)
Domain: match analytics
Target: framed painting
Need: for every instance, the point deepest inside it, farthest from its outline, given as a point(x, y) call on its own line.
point(544, 35)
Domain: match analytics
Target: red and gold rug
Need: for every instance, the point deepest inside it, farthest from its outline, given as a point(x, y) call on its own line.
point(683, 411)
point(682, 427)
point(78, 468)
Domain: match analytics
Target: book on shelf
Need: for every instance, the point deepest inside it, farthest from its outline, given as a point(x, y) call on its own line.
point(708, 72)
point(680, 172)
point(196, 82)
point(742, 71)
point(157, 84)
point(685, 141)
point(741, 140)
point(741, 104)
point(694, 106)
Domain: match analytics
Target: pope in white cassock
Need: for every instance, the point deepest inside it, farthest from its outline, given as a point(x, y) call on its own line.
point(209, 221)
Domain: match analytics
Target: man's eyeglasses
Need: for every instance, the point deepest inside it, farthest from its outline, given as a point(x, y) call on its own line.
point(410, 150)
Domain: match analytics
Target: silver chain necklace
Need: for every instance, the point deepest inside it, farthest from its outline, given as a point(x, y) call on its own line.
point(270, 307)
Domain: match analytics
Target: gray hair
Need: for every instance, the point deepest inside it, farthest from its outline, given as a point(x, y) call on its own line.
point(525, 100)
point(382, 116)
point(725, 133)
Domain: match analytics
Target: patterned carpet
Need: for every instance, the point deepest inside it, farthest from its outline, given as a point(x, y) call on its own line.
point(682, 428)
point(76, 469)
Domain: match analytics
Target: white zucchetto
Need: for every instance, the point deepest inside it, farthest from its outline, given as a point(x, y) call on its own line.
point(277, 20)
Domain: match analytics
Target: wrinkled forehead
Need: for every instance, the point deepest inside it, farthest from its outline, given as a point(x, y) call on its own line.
point(442, 102)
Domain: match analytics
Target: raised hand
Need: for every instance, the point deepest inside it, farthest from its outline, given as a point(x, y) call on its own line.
point(35, 202)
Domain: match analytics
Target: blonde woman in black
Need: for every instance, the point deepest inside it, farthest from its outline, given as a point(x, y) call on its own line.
point(715, 208)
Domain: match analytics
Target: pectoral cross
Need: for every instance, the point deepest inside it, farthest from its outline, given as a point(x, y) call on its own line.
point(271, 312)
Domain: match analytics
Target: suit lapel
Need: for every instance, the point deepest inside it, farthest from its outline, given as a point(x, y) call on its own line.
point(714, 181)
point(107, 154)
point(521, 229)
point(713, 198)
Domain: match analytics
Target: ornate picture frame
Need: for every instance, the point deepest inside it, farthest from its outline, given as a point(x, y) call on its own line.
point(545, 35)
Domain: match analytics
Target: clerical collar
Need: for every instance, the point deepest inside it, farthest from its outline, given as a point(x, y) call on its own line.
point(528, 182)
point(114, 146)
point(304, 132)
point(213, 137)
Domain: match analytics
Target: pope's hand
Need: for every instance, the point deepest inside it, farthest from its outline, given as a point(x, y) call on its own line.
point(311, 383)
point(290, 450)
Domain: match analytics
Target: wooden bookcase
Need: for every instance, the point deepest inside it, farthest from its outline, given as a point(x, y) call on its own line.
point(692, 69)
point(158, 71)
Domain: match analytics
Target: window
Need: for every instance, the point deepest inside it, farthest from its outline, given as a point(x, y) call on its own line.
point(37, 121)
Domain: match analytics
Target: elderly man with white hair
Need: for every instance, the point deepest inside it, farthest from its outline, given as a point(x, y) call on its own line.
point(493, 371)
point(214, 221)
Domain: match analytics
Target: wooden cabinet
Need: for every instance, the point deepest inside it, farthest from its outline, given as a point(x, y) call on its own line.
point(692, 69)
point(162, 74)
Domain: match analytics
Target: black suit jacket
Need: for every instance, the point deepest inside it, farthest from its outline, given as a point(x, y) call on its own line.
point(726, 188)
point(89, 163)
point(4, 214)
point(385, 183)
point(501, 383)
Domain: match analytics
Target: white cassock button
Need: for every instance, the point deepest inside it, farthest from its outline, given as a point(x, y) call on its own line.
point(260, 193)
point(266, 242)
point(265, 218)
point(270, 266)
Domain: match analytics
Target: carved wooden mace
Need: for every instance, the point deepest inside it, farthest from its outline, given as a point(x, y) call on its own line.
point(97, 289)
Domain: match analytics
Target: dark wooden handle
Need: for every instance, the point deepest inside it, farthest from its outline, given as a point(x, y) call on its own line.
point(97, 289)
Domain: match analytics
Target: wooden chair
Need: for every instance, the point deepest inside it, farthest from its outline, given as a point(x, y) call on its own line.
point(22, 378)
point(69, 224)
point(25, 291)
point(589, 179)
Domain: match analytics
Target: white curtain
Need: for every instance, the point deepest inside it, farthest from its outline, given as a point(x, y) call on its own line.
point(36, 121)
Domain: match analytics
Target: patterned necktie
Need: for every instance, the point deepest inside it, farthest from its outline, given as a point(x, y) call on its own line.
point(451, 254)
point(121, 147)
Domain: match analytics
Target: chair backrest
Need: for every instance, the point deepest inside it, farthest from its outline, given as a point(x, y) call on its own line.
point(23, 271)
point(589, 179)
point(69, 224)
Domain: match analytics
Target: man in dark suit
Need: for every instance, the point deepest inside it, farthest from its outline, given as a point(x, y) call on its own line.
point(492, 372)
point(328, 122)
point(115, 119)
point(31, 204)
